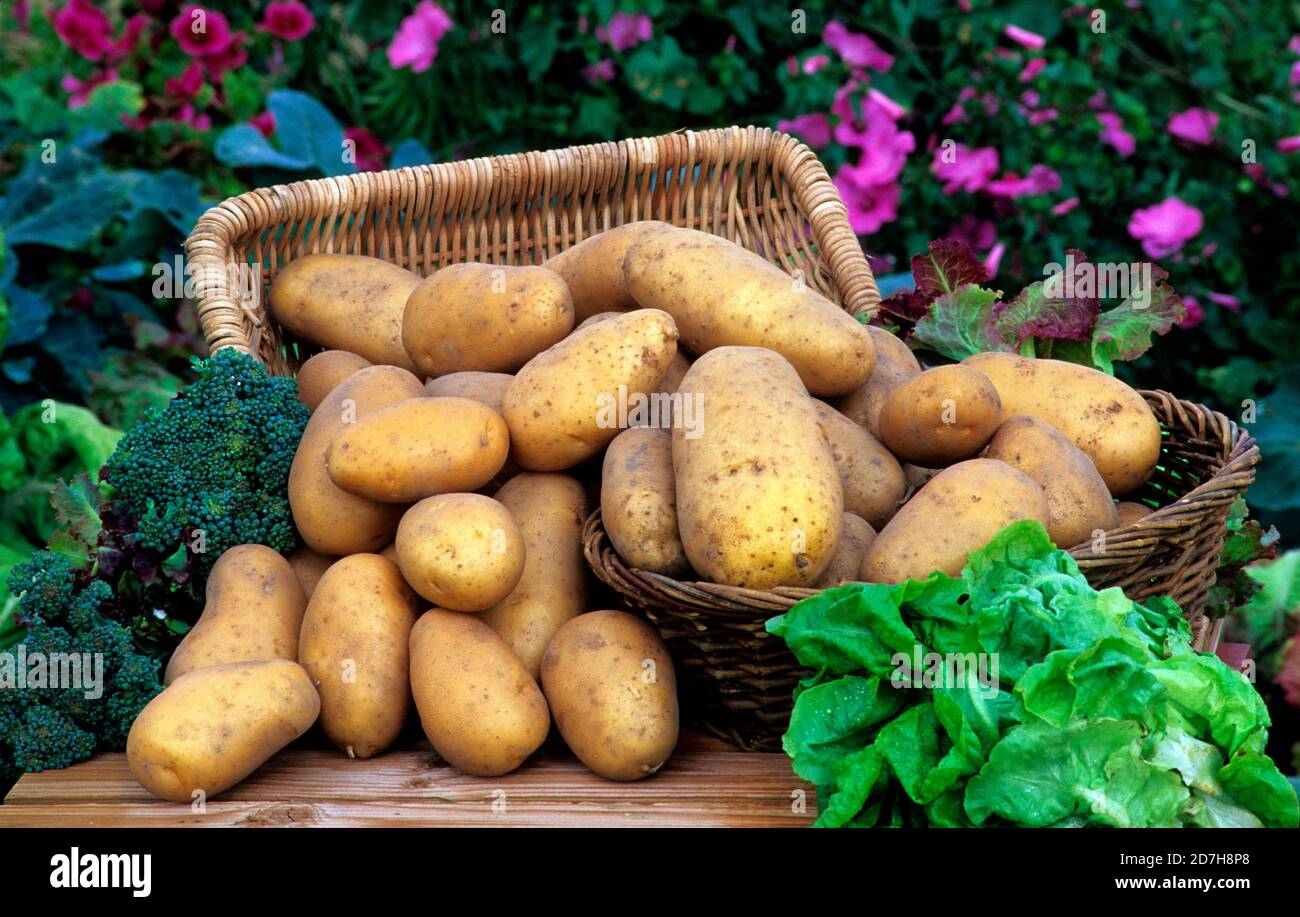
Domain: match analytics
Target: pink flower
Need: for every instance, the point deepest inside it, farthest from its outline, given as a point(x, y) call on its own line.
point(1042, 116)
point(1195, 314)
point(1065, 206)
point(1294, 78)
point(626, 30)
point(1032, 69)
point(854, 48)
point(371, 154)
point(842, 104)
point(201, 32)
point(964, 169)
point(602, 71)
point(1113, 133)
point(953, 115)
point(1289, 145)
point(814, 130)
point(22, 11)
point(1163, 228)
point(1196, 125)
point(885, 103)
point(814, 63)
point(1025, 38)
point(188, 84)
point(1226, 300)
point(1097, 101)
point(79, 90)
point(884, 146)
point(416, 43)
point(870, 206)
point(135, 27)
point(189, 116)
point(265, 123)
point(84, 28)
point(233, 56)
point(1294, 44)
point(993, 260)
point(1040, 180)
point(287, 19)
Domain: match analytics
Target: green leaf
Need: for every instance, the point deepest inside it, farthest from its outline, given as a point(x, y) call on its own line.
point(960, 324)
point(307, 131)
point(76, 507)
point(1255, 783)
point(244, 145)
point(851, 628)
point(1124, 332)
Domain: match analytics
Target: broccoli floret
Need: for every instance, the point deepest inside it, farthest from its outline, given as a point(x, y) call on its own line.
point(46, 584)
point(133, 685)
point(47, 739)
point(214, 461)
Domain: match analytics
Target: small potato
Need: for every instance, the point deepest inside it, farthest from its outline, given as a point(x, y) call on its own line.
point(252, 610)
point(638, 501)
point(957, 512)
point(564, 406)
point(213, 727)
point(846, 565)
point(418, 448)
point(1128, 512)
point(610, 685)
point(942, 416)
point(460, 551)
point(354, 644)
point(484, 317)
point(895, 364)
point(550, 510)
point(488, 389)
point(873, 481)
point(1078, 502)
point(346, 302)
point(331, 520)
point(593, 269)
point(321, 373)
point(309, 567)
point(478, 705)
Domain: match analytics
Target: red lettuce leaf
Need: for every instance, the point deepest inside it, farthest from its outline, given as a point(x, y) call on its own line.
point(1062, 308)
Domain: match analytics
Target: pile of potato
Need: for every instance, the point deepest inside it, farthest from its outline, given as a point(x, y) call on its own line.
point(732, 424)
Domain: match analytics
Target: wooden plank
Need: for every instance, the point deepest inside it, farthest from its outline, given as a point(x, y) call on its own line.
point(706, 783)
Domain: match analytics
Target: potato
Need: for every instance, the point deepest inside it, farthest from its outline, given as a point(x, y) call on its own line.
point(895, 363)
point(309, 566)
point(759, 500)
point(331, 520)
point(638, 501)
point(721, 294)
point(485, 317)
point(676, 368)
point(1078, 502)
point(346, 302)
point(549, 510)
point(478, 705)
point(564, 406)
point(354, 645)
point(611, 688)
point(593, 269)
point(1101, 415)
point(942, 416)
point(872, 480)
point(318, 376)
point(1128, 513)
point(593, 319)
point(846, 564)
point(252, 610)
point(460, 551)
point(213, 727)
point(417, 448)
point(488, 389)
point(957, 512)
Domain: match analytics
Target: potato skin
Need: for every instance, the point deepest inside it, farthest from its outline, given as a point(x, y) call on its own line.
point(1128, 512)
point(462, 552)
point(354, 645)
point(253, 610)
point(1078, 502)
point(309, 566)
point(872, 480)
point(484, 317)
point(346, 302)
point(759, 499)
point(488, 389)
point(478, 705)
point(417, 448)
point(321, 373)
point(1101, 415)
point(611, 688)
point(942, 416)
point(895, 364)
point(846, 564)
point(957, 512)
point(562, 407)
point(210, 729)
point(549, 510)
point(593, 269)
point(331, 520)
point(721, 294)
point(638, 501)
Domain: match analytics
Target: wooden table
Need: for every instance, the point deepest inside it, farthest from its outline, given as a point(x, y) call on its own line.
point(706, 783)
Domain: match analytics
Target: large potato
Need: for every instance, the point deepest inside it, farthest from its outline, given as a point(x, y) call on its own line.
point(486, 388)
point(676, 369)
point(460, 551)
point(346, 302)
point(942, 416)
point(593, 269)
point(1101, 415)
point(611, 688)
point(895, 363)
point(759, 499)
point(957, 512)
point(564, 406)
point(252, 610)
point(871, 477)
point(331, 520)
point(309, 566)
point(638, 501)
point(549, 510)
point(846, 565)
point(485, 317)
point(478, 705)
point(321, 373)
point(1078, 502)
point(213, 727)
point(354, 645)
point(721, 294)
